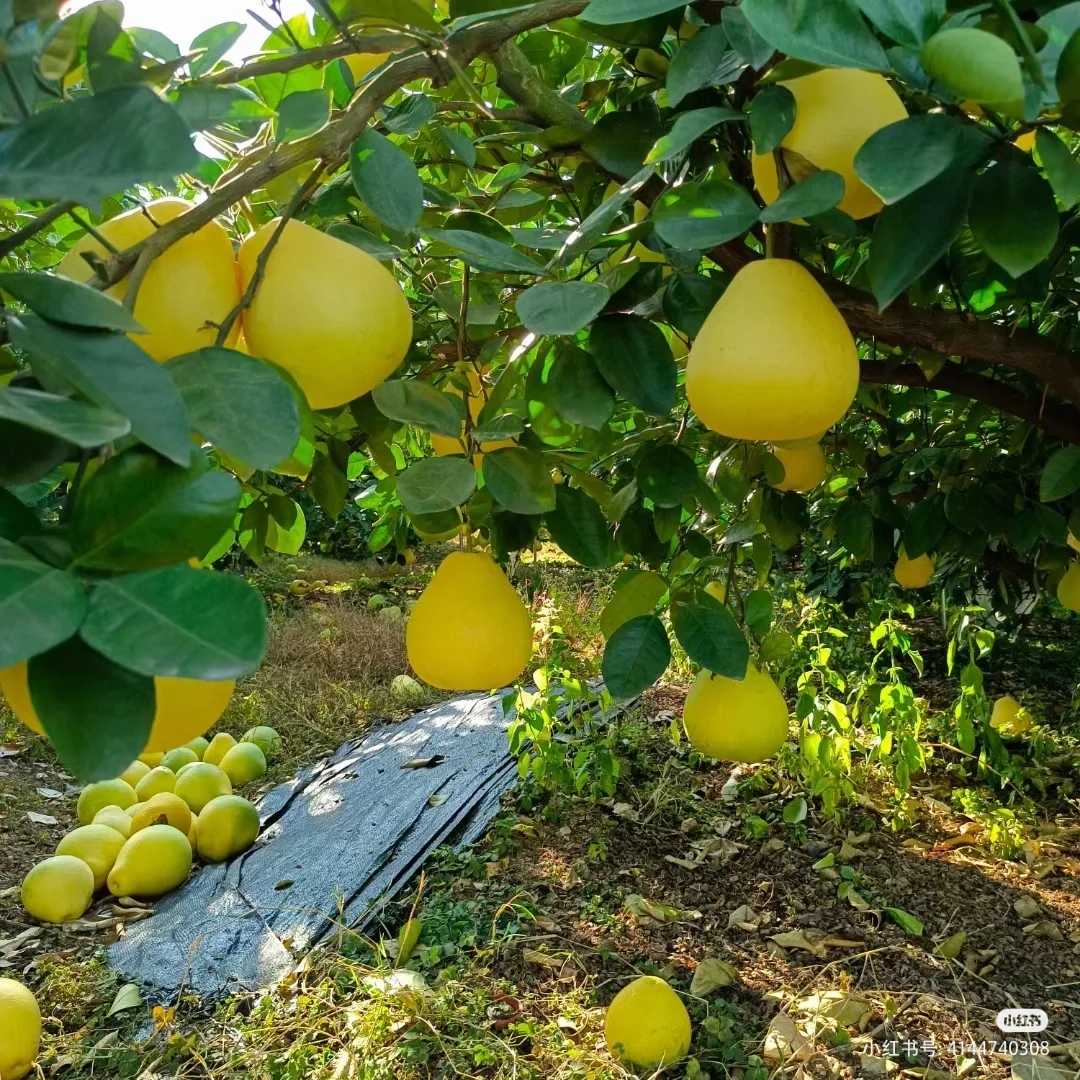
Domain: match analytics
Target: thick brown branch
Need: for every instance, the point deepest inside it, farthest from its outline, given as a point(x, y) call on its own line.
point(518, 79)
point(1058, 420)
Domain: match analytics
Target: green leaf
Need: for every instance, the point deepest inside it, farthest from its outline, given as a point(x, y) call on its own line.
point(712, 638)
point(16, 518)
point(484, 253)
point(577, 391)
point(69, 302)
point(204, 108)
point(113, 372)
point(301, 114)
point(387, 181)
point(286, 539)
point(689, 298)
point(458, 145)
point(1061, 475)
point(907, 22)
point(1062, 169)
point(96, 714)
point(215, 42)
point(745, 40)
point(637, 595)
point(1067, 76)
point(925, 527)
point(637, 654)
point(507, 426)
point(240, 404)
point(906, 921)
point(694, 64)
point(410, 115)
point(435, 484)
point(1013, 216)
point(904, 156)
point(597, 223)
point(138, 512)
point(666, 474)
point(328, 485)
point(77, 422)
point(794, 811)
point(620, 141)
point(819, 192)
point(561, 307)
point(772, 116)
point(697, 216)
point(688, 127)
point(40, 606)
point(758, 612)
point(410, 401)
point(579, 527)
point(912, 234)
point(635, 360)
point(519, 480)
point(611, 12)
point(138, 139)
point(178, 622)
point(832, 34)
point(365, 241)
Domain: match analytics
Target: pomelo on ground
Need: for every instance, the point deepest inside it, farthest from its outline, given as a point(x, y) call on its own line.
point(164, 809)
point(913, 573)
point(219, 746)
point(182, 755)
point(185, 708)
point(736, 720)
point(192, 285)
point(115, 818)
point(96, 845)
point(228, 825)
point(58, 889)
point(135, 772)
point(154, 861)
point(469, 629)
point(647, 1024)
point(20, 1029)
point(197, 746)
point(265, 738)
point(330, 314)
point(836, 111)
point(201, 782)
point(155, 782)
point(243, 763)
point(774, 360)
point(104, 793)
point(406, 690)
point(804, 468)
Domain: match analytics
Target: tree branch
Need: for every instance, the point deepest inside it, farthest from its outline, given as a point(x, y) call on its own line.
point(32, 228)
point(518, 79)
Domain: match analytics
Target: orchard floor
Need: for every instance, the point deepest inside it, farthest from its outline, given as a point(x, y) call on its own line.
point(529, 934)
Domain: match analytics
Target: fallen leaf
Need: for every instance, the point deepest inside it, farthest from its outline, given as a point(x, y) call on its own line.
point(436, 799)
point(872, 1067)
point(41, 819)
point(534, 956)
point(951, 946)
point(625, 810)
point(400, 980)
point(846, 1009)
point(1046, 929)
point(905, 920)
point(825, 862)
point(1027, 907)
point(745, 918)
point(424, 762)
point(686, 864)
point(1036, 1067)
point(854, 898)
point(49, 793)
point(711, 975)
point(127, 997)
point(651, 913)
point(811, 940)
point(785, 1042)
point(9, 750)
point(543, 922)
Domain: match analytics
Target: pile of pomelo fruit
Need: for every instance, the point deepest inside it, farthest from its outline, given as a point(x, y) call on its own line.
point(139, 833)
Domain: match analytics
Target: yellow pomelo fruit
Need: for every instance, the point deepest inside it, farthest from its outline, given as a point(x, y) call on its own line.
point(201, 782)
point(1025, 142)
point(20, 1029)
point(1072, 542)
point(736, 721)
point(135, 772)
point(164, 809)
point(647, 1024)
point(219, 746)
point(228, 825)
point(836, 111)
point(774, 360)
point(193, 833)
point(198, 746)
point(194, 283)
point(155, 782)
point(804, 469)
point(977, 66)
point(182, 755)
point(96, 845)
point(115, 818)
point(639, 250)
point(327, 312)
point(913, 573)
point(1009, 716)
point(185, 707)
point(59, 889)
point(265, 738)
point(104, 793)
point(443, 445)
point(361, 65)
point(469, 629)
point(153, 862)
point(244, 763)
point(1068, 590)
point(717, 590)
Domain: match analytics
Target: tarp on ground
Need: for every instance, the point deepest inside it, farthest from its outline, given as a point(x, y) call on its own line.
point(338, 840)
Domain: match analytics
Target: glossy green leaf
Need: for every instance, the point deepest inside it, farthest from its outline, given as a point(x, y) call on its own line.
point(410, 401)
point(579, 527)
point(620, 141)
point(832, 34)
point(40, 606)
point(577, 391)
point(410, 115)
point(694, 64)
point(745, 40)
point(1061, 475)
point(365, 241)
point(637, 654)
point(1062, 169)
point(819, 192)
point(301, 114)
point(96, 714)
point(772, 116)
point(758, 612)
point(697, 216)
point(328, 485)
point(70, 302)
point(387, 181)
point(688, 127)
point(1067, 76)
point(484, 253)
point(666, 474)
point(113, 372)
point(16, 518)
point(138, 512)
point(712, 638)
point(605, 12)
point(214, 43)
point(519, 480)
point(638, 594)
point(204, 108)
point(561, 307)
point(435, 484)
point(907, 22)
point(77, 422)
point(599, 221)
point(925, 527)
point(179, 622)
point(635, 360)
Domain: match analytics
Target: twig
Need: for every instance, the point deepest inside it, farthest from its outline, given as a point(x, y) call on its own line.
point(463, 315)
point(41, 222)
point(301, 193)
point(77, 217)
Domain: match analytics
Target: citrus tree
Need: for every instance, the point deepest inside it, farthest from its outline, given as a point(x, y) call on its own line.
point(692, 288)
